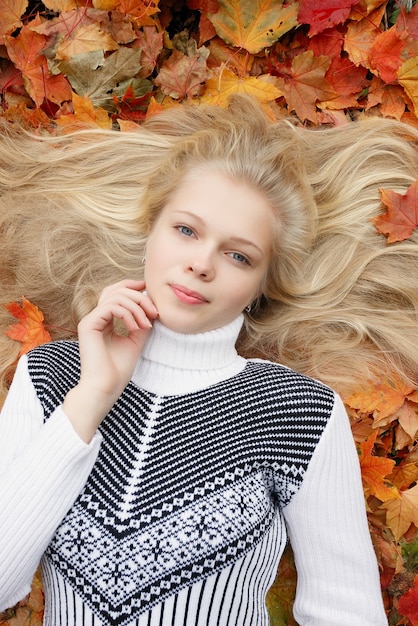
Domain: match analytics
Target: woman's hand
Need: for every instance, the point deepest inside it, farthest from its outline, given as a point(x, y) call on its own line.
point(107, 358)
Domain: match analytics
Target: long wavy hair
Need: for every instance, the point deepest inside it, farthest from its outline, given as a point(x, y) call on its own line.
point(76, 210)
point(356, 314)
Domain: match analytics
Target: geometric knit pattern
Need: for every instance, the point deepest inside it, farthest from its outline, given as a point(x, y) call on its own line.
point(184, 485)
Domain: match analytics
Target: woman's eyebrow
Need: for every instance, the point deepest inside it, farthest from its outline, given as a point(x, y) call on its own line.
point(234, 239)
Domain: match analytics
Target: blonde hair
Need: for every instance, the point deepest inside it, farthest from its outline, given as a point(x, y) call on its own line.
point(356, 315)
point(75, 210)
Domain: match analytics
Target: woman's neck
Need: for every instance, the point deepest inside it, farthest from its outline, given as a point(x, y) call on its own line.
point(174, 363)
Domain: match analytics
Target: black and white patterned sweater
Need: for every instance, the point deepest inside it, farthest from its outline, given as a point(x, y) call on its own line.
point(193, 479)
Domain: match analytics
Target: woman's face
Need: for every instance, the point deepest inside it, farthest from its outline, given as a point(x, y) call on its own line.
point(208, 253)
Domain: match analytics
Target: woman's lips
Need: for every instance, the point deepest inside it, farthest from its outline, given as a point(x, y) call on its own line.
point(187, 296)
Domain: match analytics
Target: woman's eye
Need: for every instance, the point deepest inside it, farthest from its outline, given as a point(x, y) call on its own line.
point(240, 258)
point(185, 230)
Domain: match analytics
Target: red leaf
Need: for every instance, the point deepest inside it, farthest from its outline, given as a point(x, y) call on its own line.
point(30, 329)
point(324, 13)
point(402, 216)
point(408, 604)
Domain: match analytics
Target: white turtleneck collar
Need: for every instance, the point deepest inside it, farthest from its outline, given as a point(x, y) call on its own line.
point(176, 363)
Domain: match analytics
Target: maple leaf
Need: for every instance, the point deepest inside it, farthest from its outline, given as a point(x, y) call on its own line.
point(402, 512)
point(219, 88)
point(389, 98)
point(10, 13)
point(408, 604)
point(100, 78)
point(408, 78)
point(375, 469)
point(85, 38)
point(29, 330)
point(305, 84)
point(404, 475)
point(140, 11)
point(324, 14)
point(253, 24)
point(150, 42)
point(25, 51)
point(381, 397)
point(386, 54)
point(401, 218)
point(85, 116)
point(347, 80)
point(359, 38)
point(182, 76)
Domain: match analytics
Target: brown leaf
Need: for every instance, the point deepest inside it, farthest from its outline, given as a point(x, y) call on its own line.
point(305, 84)
point(401, 218)
point(182, 76)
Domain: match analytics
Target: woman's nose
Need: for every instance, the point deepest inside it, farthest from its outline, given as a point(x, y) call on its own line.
point(203, 266)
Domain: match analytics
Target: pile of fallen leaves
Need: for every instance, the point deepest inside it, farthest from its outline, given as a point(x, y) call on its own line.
point(110, 63)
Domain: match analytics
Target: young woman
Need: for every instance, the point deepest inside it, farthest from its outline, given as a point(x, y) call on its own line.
point(155, 472)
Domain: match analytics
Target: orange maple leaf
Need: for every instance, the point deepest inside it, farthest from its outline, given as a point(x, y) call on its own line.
point(402, 512)
point(381, 397)
point(386, 54)
point(182, 76)
point(374, 470)
point(401, 218)
point(29, 330)
point(408, 604)
point(85, 115)
point(10, 13)
point(408, 78)
point(220, 88)
point(305, 84)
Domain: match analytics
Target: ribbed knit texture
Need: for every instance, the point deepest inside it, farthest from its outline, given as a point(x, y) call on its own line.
point(181, 521)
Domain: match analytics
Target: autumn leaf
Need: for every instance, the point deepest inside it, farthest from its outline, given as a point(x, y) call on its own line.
point(401, 218)
point(221, 87)
point(404, 475)
point(324, 14)
point(140, 11)
point(253, 24)
point(25, 51)
point(359, 39)
point(408, 78)
point(386, 54)
point(29, 330)
point(402, 512)
point(305, 84)
point(375, 469)
point(10, 13)
point(390, 99)
point(380, 397)
point(85, 116)
point(182, 76)
point(85, 38)
point(347, 80)
point(408, 604)
point(150, 42)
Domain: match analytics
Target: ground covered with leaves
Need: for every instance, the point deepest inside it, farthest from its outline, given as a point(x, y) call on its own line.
point(66, 64)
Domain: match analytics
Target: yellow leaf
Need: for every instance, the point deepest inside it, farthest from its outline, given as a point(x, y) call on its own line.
point(220, 88)
point(403, 512)
point(85, 38)
point(253, 24)
point(85, 116)
point(408, 78)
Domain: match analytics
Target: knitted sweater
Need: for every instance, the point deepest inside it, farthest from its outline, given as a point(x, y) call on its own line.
point(178, 511)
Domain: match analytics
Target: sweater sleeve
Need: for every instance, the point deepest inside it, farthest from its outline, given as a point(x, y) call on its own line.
point(43, 468)
point(338, 579)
